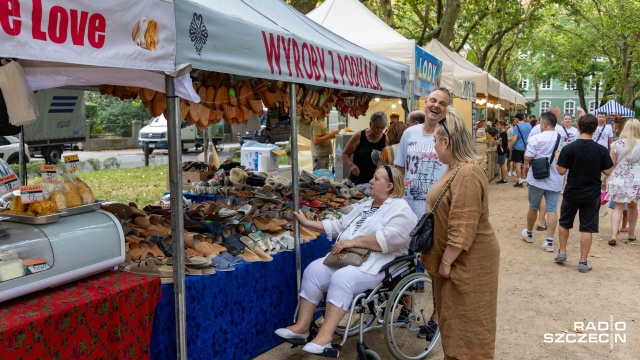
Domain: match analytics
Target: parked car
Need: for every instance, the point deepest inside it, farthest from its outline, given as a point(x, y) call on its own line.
point(280, 131)
point(10, 149)
point(155, 134)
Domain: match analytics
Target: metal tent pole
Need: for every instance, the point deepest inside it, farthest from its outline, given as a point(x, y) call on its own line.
point(207, 133)
point(22, 163)
point(295, 181)
point(177, 221)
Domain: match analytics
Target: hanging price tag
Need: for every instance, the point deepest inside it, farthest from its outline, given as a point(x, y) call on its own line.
point(9, 183)
point(31, 194)
point(72, 163)
point(49, 173)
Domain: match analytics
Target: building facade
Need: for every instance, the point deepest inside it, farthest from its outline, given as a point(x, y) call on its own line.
point(558, 93)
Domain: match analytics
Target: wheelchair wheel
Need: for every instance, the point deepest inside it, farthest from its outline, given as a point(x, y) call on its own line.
point(411, 308)
point(371, 355)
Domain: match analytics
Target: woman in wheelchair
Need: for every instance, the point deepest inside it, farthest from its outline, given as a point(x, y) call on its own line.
point(382, 224)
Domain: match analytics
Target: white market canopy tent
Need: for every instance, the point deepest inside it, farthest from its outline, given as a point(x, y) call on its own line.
point(270, 39)
point(464, 70)
point(613, 107)
point(355, 22)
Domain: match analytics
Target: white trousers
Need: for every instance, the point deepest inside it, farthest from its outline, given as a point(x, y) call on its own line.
point(341, 285)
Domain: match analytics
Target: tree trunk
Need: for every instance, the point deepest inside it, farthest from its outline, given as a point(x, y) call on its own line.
point(387, 12)
point(304, 6)
point(448, 24)
point(580, 86)
point(627, 87)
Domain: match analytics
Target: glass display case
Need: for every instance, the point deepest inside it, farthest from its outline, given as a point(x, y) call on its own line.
point(38, 256)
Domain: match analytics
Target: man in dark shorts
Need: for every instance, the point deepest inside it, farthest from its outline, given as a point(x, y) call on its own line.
point(585, 160)
point(518, 145)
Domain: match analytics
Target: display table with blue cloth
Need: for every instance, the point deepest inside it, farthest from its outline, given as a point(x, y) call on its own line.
point(232, 315)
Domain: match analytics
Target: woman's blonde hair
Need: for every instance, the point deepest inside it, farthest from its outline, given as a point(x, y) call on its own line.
point(463, 147)
point(631, 132)
point(398, 181)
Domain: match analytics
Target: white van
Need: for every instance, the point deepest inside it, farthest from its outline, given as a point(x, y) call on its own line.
point(155, 134)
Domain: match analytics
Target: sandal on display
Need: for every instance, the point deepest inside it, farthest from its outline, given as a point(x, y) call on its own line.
point(221, 264)
point(234, 260)
point(148, 267)
point(262, 255)
point(249, 256)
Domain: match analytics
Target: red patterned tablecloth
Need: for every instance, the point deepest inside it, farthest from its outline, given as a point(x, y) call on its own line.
point(105, 316)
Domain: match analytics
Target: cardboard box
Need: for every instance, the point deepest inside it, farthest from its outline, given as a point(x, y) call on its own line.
point(189, 177)
point(249, 158)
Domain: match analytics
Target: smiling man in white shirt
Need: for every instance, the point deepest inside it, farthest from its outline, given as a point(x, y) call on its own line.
point(604, 133)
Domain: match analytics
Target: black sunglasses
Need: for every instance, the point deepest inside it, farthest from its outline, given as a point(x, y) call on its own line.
point(442, 122)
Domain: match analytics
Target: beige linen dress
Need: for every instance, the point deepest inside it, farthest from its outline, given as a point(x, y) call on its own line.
point(466, 302)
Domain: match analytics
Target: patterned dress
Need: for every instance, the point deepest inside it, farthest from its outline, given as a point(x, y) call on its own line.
point(624, 182)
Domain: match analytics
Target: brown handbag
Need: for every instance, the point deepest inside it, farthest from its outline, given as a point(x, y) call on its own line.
point(351, 256)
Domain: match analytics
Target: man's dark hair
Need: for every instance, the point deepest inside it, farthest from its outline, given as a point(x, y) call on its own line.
point(550, 118)
point(519, 116)
point(602, 113)
point(587, 124)
point(532, 117)
point(417, 116)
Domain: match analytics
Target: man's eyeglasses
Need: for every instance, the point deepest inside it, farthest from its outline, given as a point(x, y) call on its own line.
point(442, 122)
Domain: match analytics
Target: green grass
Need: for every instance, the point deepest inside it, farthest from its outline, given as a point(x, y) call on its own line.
point(141, 185)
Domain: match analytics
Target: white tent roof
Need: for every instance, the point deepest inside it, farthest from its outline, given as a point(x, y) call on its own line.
point(613, 107)
point(355, 22)
point(270, 39)
point(465, 70)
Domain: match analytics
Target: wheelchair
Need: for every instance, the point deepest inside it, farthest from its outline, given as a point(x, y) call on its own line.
point(402, 305)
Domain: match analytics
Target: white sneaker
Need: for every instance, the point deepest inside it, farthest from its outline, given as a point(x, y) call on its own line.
point(522, 181)
point(547, 246)
point(287, 334)
point(510, 173)
point(526, 237)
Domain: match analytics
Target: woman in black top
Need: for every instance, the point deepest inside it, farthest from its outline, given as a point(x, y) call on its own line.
point(361, 145)
point(503, 151)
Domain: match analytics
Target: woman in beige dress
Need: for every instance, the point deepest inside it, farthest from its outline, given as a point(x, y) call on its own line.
point(465, 256)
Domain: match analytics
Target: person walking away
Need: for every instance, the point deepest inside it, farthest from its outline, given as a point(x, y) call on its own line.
point(465, 258)
point(541, 221)
point(321, 148)
point(543, 145)
point(510, 170)
point(416, 157)
point(585, 160)
point(388, 154)
point(623, 184)
point(521, 132)
point(503, 151)
point(361, 145)
point(415, 118)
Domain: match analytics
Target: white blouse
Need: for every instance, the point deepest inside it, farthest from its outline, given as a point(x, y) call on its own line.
point(392, 224)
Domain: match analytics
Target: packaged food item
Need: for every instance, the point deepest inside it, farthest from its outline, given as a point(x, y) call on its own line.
point(59, 199)
point(16, 205)
point(86, 194)
point(42, 208)
point(70, 192)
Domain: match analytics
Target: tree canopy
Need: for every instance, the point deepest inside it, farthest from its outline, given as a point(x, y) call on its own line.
point(586, 42)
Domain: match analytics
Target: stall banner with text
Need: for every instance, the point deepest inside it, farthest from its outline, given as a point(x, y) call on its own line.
point(49, 173)
point(31, 193)
point(72, 163)
point(428, 73)
point(9, 183)
point(260, 49)
point(114, 33)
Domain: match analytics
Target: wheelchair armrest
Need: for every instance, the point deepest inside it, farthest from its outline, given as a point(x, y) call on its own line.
point(406, 258)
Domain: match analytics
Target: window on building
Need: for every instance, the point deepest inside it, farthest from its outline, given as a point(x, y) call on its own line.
point(544, 106)
point(545, 85)
point(525, 84)
point(570, 108)
point(592, 105)
point(570, 85)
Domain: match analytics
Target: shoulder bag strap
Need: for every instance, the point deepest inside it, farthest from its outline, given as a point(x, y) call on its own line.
point(446, 187)
point(553, 153)
point(565, 131)
point(600, 135)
